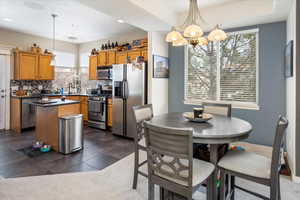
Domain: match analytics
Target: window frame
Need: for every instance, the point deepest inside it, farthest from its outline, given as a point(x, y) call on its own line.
point(235, 104)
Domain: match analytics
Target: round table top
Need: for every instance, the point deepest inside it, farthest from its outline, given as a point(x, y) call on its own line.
point(218, 130)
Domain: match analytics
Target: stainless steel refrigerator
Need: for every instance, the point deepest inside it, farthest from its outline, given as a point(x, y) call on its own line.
point(129, 89)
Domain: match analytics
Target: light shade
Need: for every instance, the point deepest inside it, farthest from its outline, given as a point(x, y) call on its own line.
point(193, 31)
point(181, 42)
point(173, 36)
point(202, 41)
point(217, 35)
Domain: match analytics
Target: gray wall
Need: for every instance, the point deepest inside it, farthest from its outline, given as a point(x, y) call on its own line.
point(272, 40)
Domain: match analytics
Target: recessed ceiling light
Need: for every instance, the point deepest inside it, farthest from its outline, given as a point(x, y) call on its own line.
point(7, 19)
point(120, 21)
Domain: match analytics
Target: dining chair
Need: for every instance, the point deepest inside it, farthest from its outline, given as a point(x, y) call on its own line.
point(141, 114)
point(170, 161)
point(201, 151)
point(254, 167)
point(217, 108)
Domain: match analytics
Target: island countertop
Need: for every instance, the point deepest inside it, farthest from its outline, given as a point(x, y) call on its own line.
point(54, 102)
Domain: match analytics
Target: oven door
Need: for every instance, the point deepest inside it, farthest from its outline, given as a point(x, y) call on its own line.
point(96, 110)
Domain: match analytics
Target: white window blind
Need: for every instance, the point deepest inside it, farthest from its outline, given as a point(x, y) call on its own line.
point(227, 73)
point(64, 59)
point(84, 59)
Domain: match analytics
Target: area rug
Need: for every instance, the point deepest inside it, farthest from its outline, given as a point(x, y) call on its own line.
point(111, 183)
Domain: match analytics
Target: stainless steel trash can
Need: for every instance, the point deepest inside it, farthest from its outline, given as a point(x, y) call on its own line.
point(70, 133)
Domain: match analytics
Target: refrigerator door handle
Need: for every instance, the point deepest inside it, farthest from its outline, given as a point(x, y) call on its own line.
point(126, 90)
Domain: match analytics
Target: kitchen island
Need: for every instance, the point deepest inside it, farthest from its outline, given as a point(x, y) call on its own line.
point(47, 119)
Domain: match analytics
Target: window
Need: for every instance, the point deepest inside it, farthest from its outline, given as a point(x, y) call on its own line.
point(84, 59)
point(224, 72)
point(64, 59)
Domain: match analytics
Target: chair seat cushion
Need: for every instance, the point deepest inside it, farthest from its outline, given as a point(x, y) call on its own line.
point(201, 171)
point(247, 163)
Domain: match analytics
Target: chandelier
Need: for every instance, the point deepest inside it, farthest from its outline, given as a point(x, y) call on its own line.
point(190, 31)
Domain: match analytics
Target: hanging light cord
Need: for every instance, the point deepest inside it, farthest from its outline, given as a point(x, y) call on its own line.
point(53, 42)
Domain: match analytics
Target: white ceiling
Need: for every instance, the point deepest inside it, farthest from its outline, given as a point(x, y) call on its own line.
point(90, 20)
point(229, 13)
point(74, 18)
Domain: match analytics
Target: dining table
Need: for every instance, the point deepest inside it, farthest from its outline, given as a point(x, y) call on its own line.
point(219, 130)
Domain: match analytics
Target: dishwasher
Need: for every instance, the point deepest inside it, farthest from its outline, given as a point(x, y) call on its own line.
point(28, 112)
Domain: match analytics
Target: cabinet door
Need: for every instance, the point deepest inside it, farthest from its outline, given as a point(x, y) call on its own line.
point(45, 70)
point(84, 107)
point(93, 68)
point(145, 54)
point(133, 55)
point(102, 58)
point(28, 64)
point(111, 57)
point(109, 113)
point(121, 57)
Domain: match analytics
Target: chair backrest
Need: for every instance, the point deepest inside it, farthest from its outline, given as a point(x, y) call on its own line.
point(141, 113)
point(170, 153)
point(217, 109)
point(282, 124)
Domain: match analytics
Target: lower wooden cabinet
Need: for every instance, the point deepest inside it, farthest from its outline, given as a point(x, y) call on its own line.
point(109, 113)
point(84, 107)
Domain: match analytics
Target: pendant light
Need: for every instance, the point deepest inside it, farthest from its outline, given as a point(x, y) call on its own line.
point(190, 31)
point(53, 61)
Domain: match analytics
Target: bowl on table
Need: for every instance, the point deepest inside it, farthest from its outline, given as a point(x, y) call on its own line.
point(204, 117)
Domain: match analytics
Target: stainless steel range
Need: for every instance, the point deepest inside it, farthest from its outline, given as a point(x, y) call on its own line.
point(97, 112)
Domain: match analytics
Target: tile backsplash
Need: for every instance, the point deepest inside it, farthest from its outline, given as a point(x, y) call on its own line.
point(34, 86)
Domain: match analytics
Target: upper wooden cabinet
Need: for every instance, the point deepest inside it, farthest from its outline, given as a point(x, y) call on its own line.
point(32, 66)
point(121, 57)
point(133, 55)
point(102, 58)
point(93, 67)
point(26, 65)
point(111, 57)
point(144, 53)
point(45, 70)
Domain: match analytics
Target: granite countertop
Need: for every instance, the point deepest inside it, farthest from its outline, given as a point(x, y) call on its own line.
point(54, 102)
point(46, 95)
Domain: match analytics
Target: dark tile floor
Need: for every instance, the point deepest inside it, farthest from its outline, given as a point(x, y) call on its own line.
point(101, 149)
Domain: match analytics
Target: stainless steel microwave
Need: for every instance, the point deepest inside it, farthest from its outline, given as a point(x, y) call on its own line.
point(104, 72)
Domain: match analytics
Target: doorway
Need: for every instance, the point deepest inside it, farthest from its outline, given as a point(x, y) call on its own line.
point(4, 90)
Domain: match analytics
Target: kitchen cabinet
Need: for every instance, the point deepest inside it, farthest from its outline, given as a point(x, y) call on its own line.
point(144, 53)
point(16, 114)
point(111, 58)
point(26, 65)
point(133, 54)
point(109, 112)
point(45, 70)
point(121, 57)
point(32, 66)
point(93, 67)
point(102, 58)
point(84, 107)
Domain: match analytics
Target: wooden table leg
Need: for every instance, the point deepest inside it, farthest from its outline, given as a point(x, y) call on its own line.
point(212, 186)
